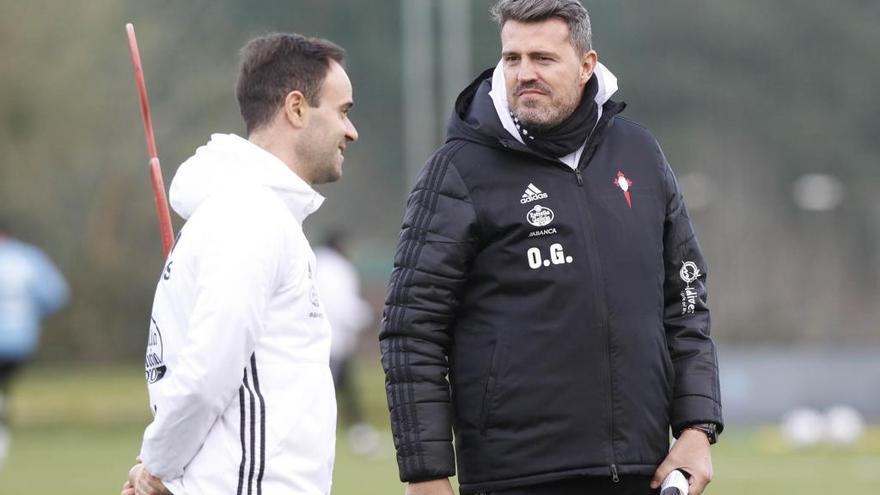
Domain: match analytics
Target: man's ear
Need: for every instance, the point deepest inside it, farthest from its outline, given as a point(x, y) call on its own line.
point(588, 65)
point(296, 108)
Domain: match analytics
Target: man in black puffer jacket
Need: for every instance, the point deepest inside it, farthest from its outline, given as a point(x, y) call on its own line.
point(548, 297)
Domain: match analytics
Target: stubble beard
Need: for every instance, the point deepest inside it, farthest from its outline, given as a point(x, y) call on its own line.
point(322, 160)
point(538, 117)
point(326, 169)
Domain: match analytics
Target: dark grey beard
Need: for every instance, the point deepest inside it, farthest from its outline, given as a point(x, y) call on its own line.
point(541, 127)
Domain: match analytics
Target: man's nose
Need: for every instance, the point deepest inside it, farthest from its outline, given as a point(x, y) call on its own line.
point(526, 71)
point(351, 134)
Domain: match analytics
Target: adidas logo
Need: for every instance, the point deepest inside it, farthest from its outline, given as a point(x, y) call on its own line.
point(532, 194)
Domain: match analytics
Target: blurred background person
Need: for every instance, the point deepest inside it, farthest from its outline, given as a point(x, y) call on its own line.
point(31, 288)
point(349, 314)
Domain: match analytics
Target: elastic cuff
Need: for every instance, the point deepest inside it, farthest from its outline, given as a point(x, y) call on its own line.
point(692, 409)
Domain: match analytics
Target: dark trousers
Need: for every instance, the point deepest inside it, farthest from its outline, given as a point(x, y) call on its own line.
point(350, 412)
point(7, 370)
point(590, 485)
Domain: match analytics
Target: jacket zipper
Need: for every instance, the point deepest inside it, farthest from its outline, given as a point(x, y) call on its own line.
point(596, 268)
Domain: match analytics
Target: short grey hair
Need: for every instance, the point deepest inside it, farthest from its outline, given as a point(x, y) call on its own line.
point(571, 11)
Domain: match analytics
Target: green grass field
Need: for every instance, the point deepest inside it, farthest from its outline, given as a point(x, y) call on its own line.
point(77, 431)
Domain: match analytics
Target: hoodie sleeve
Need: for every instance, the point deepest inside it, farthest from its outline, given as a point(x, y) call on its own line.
point(235, 272)
point(436, 246)
point(696, 396)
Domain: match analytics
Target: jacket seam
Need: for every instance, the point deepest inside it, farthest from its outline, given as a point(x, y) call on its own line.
point(469, 198)
point(702, 396)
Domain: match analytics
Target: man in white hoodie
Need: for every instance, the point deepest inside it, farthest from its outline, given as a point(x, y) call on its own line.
point(237, 360)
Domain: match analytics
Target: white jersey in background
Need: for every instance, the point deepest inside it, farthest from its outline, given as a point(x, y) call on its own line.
point(347, 311)
point(238, 352)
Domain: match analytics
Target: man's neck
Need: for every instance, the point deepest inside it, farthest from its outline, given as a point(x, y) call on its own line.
point(271, 141)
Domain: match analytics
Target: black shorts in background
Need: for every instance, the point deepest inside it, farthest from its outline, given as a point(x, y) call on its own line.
point(7, 370)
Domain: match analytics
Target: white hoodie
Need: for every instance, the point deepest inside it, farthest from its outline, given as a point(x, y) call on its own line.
point(237, 359)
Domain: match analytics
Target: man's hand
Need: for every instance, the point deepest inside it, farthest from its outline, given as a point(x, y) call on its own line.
point(690, 454)
point(128, 487)
point(142, 482)
point(433, 487)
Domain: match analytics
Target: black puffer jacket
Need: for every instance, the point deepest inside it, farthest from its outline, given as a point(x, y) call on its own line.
point(568, 309)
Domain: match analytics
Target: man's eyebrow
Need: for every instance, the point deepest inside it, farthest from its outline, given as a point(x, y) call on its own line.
point(536, 53)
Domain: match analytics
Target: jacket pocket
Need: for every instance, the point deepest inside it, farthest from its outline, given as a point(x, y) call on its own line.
point(488, 392)
point(669, 367)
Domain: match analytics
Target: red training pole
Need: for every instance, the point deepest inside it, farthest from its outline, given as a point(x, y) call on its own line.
point(165, 229)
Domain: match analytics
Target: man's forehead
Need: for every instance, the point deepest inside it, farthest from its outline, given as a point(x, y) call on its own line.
point(337, 83)
point(528, 35)
point(337, 72)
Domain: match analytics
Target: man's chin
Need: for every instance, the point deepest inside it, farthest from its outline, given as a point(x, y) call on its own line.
point(539, 121)
point(331, 176)
point(535, 123)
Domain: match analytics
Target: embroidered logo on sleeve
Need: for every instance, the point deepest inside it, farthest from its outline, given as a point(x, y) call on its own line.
point(689, 273)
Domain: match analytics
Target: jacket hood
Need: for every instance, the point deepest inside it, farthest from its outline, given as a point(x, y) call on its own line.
point(482, 113)
point(228, 162)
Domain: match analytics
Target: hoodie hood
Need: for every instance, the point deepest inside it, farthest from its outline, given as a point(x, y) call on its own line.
point(229, 161)
point(482, 112)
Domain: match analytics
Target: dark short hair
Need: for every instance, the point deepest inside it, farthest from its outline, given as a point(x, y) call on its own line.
point(580, 33)
point(276, 64)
